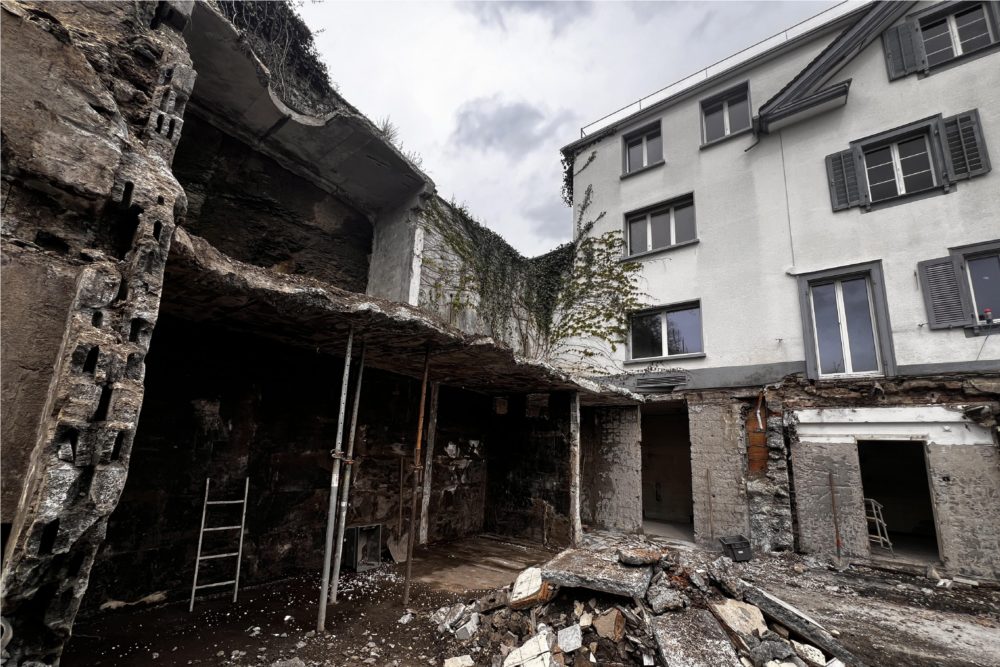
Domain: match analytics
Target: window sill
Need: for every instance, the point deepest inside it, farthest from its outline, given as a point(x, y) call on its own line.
point(640, 256)
point(672, 357)
point(913, 196)
point(976, 330)
point(648, 167)
point(721, 140)
point(850, 376)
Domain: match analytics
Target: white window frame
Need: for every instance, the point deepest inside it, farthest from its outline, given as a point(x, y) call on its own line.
point(956, 41)
point(897, 167)
point(664, 340)
point(648, 215)
point(727, 130)
point(645, 150)
point(845, 341)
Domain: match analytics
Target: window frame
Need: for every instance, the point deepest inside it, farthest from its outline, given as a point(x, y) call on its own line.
point(725, 97)
point(648, 212)
point(899, 176)
point(641, 133)
point(961, 255)
point(948, 11)
point(884, 350)
point(662, 310)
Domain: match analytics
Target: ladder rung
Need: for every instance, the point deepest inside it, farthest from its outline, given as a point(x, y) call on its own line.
point(222, 528)
point(225, 502)
point(235, 553)
point(221, 583)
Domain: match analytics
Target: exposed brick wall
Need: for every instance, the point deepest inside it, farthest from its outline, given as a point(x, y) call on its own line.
point(965, 490)
point(611, 468)
point(718, 464)
point(768, 491)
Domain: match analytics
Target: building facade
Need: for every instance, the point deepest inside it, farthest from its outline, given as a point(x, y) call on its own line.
point(817, 226)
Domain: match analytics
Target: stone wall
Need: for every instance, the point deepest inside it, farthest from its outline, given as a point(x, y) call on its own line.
point(611, 468)
point(769, 490)
point(254, 210)
point(528, 464)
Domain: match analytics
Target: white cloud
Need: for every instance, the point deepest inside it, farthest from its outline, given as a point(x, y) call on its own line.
point(487, 93)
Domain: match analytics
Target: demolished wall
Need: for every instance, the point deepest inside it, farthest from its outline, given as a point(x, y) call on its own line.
point(611, 468)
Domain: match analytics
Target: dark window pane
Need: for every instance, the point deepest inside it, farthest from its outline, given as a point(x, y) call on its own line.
point(635, 155)
point(715, 127)
point(739, 114)
point(881, 174)
point(637, 235)
point(973, 32)
point(912, 148)
point(918, 182)
point(831, 351)
point(884, 191)
point(684, 223)
point(878, 156)
point(860, 333)
point(937, 42)
point(660, 229)
point(976, 42)
point(684, 331)
point(985, 274)
point(647, 336)
point(970, 17)
point(654, 148)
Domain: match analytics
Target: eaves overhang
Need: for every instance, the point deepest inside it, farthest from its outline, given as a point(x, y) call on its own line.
point(807, 107)
point(341, 152)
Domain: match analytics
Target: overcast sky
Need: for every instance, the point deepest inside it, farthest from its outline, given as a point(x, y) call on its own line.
point(488, 92)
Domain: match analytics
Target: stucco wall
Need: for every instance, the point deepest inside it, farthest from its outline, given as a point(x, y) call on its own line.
point(611, 468)
point(764, 214)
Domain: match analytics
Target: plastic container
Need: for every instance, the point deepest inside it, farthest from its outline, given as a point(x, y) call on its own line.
point(736, 547)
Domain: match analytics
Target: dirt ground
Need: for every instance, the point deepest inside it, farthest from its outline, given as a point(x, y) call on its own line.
point(888, 619)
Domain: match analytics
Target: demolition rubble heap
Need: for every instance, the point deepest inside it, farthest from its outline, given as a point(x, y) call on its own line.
point(639, 604)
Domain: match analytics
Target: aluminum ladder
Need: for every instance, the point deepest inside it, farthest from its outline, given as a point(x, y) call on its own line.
point(238, 554)
point(878, 533)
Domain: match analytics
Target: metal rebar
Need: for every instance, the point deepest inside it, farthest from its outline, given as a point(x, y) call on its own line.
point(345, 485)
point(416, 481)
point(334, 483)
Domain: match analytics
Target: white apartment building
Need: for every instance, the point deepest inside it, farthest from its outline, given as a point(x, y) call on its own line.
point(818, 230)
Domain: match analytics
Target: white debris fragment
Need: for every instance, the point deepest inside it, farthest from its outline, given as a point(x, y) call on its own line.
point(570, 639)
point(460, 661)
point(405, 618)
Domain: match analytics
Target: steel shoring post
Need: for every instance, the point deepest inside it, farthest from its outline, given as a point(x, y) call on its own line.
point(334, 483)
point(416, 480)
point(576, 528)
point(345, 486)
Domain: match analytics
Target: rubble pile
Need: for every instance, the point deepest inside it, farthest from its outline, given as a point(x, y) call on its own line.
point(637, 605)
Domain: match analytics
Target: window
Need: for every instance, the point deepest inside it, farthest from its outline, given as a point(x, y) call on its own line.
point(922, 157)
point(662, 226)
point(643, 148)
point(963, 289)
point(679, 326)
point(725, 114)
point(902, 167)
point(939, 35)
point(846, 322)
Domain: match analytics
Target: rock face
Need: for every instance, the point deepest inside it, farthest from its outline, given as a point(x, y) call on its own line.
point(93, 108)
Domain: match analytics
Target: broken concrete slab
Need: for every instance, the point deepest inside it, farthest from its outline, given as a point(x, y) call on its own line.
point(638, 556)
point(460, 661)
point(530, 588)
point(663, 597)
point(693, 638)
point(798, 622)
point(535, 649)
point(811, 655)
point(470, 628)
point(597, 571)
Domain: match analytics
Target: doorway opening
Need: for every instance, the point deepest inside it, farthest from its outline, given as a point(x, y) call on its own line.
point(667, 502)
point(894, 475)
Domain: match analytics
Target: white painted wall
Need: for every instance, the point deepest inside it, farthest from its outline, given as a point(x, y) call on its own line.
point(747, 231)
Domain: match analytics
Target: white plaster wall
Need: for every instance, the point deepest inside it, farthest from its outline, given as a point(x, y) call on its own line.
point(740, 267)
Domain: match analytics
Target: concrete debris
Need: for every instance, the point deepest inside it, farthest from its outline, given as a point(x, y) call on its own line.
point(744, 620)
point(533, 652)
point(610, 625)
point(811, 655)
point(964, 580)
point(470, 628)
point(586, 619)
point(693, 638)
point(663, 597)
point(530, 589)
point(597, 571)
point(570, 639)
point(290, 662)
point(639, 555)
point(405, 618)
point(460, 661)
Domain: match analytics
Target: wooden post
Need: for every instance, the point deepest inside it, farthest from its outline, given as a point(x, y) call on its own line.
point(345, 487)
point(425, 498)
point(334, 484)
point(574, 469)
point(416, 481)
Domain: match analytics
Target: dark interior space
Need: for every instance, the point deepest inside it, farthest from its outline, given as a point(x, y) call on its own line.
point(667, 502)
point(894, 473)
point(254, 210)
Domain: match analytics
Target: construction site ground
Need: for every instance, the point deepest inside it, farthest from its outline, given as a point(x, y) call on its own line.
point(886, 618)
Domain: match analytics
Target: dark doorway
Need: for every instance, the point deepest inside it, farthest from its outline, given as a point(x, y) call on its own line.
point(894, 474)
point(667, 504)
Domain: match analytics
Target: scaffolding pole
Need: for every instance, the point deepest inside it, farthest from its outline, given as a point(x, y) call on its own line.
point(576, 527)
point(425, 499)
point(416, 480)
point(345, 487)
point(334, 484)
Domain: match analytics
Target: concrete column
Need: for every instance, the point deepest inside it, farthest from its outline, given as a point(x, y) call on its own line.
point(576, 527)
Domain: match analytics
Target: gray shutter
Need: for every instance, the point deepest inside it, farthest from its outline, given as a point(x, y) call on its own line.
point(963, 147)
point(939, 282)
point(843, 179)
point(904, 50)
